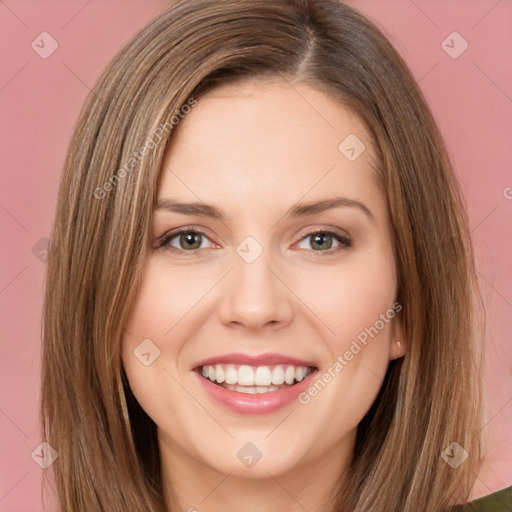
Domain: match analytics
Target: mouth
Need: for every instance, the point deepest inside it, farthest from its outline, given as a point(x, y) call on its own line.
point(249, 379)
point(254, 384)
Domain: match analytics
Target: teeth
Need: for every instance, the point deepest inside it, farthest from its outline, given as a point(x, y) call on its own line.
point(300, 373)
point(255, 379)
point(219, 374)
point(251, 389)
point(278, 375)
point(231, 375)
point(263, 376)
point(289, 375)
point(245, 376)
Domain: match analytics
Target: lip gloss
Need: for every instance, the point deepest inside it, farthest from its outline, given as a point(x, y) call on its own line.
point(257, 403)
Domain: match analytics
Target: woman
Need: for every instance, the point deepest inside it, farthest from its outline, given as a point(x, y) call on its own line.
point(315, 347)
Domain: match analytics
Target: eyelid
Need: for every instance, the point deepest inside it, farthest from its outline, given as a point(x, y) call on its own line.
point(342, 237)
point(163, 240)
point(331, 230)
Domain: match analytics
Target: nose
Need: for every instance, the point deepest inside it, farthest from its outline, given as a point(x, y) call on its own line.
point(256, 296)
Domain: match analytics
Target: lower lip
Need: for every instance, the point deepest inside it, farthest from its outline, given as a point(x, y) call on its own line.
point(257, 403)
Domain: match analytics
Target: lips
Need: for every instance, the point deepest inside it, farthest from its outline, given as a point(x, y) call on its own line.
point(254, 384)
point(254, 360)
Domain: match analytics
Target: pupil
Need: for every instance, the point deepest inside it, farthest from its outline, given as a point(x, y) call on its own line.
point(189, 239)
point(321, 237)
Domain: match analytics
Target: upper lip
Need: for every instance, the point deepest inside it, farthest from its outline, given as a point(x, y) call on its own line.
point(268, 358)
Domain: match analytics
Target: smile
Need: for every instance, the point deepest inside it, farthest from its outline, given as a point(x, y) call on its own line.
point(254, 390)
point(255, 379)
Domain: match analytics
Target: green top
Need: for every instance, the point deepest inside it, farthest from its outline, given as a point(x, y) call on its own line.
point(499, 501)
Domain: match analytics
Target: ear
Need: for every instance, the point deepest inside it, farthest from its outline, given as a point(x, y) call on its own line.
point(399, 342)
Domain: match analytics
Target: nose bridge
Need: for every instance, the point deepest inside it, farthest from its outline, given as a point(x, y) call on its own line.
point(255, 295)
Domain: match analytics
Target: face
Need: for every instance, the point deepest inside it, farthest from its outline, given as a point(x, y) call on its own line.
point(272, 300)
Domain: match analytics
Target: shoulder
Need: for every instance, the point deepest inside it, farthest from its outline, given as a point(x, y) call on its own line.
point(499, 501)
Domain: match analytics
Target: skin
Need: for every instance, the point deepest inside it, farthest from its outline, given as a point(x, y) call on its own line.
point(254, 150)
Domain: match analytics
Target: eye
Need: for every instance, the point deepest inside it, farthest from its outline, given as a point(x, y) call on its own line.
point(188, 240)
point(322, 241)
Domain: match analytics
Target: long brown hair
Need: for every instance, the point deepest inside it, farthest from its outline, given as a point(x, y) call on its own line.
point(108, 457)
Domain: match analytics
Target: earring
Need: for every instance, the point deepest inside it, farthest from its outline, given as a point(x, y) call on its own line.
point(398, 343)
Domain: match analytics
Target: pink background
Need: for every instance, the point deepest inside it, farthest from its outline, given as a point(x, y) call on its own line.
point(471, 97)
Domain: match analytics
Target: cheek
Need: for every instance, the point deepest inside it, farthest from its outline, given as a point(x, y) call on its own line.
point(156, 311)
point(351, 297)
point(152, 339)
point(160, 322)
point(358, 310)
point(164, 299)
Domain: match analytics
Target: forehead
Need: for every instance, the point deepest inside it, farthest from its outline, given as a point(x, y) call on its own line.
point(264, 141)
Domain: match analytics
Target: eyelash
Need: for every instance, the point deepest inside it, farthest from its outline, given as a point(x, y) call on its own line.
point(164, 241)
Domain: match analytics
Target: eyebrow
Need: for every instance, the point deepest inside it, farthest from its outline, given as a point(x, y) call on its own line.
point(299, 210)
